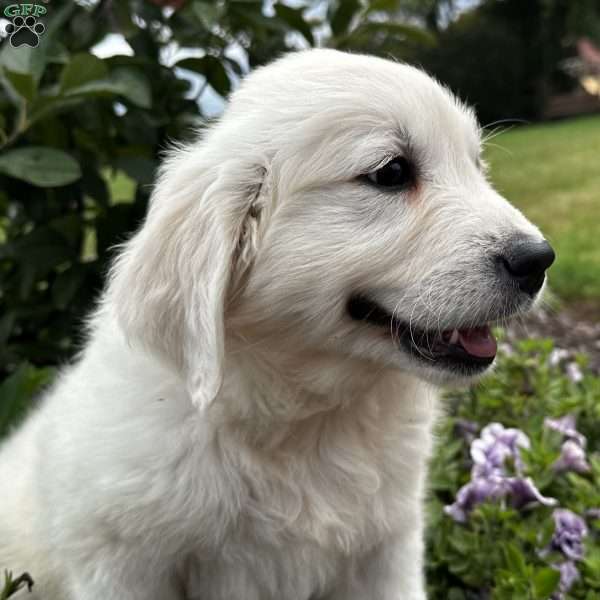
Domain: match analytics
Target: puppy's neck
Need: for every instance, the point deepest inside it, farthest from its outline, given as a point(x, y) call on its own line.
point(270, 394)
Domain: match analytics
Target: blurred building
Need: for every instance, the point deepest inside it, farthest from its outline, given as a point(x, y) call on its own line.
point(584, 68)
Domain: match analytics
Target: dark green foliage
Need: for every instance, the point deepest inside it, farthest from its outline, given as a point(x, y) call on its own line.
point(18, 390)
point(63, 140)
point(504, 57)
point(483, 62)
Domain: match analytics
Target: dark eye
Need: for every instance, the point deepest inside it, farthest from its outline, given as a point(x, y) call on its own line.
point(397, 173)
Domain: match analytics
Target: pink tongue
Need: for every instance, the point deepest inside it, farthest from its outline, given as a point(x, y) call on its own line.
point(478, 341)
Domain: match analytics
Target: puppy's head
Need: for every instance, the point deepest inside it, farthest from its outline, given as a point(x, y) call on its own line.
point(340, 206)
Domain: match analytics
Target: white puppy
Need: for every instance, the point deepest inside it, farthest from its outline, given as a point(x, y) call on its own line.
point(250, 417)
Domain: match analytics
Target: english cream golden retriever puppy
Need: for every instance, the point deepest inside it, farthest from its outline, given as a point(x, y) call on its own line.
point(250, 417)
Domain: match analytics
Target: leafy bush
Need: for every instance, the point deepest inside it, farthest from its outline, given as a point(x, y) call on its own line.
point(504, 56)
point(482, 60)
point(72, 123)
point(501, 551)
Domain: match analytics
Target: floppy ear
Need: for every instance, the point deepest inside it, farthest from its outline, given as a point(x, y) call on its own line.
point(169, 286)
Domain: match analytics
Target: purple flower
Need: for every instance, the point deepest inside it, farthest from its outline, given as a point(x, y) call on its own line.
point(520, 490)
point(568, 576)
point(523, 492)
point(511, 437)
point(489, 478)
point(572, 458)
point(566, 426)
point(494, 447)
point(574, 372)
point(473, 493)
point(569, 531)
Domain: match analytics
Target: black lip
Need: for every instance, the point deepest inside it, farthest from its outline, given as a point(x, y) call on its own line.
point(426, 346)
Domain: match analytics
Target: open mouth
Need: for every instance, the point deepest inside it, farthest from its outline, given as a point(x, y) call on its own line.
point(466, 350)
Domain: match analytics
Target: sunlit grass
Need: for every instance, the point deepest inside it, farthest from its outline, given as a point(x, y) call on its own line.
point(552, 173)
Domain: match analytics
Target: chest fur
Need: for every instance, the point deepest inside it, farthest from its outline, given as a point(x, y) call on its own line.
point(339, 482)
point(303, 510)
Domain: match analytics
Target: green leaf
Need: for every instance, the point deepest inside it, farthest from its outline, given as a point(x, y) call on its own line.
point(37, 252)
point(128, 83)
point(515, 560)
point(82, 69)
point(132, 85)
point(17, 391)
point(23, 67)
point(38, 165)
point(544, 582)
point(138, 168)
point(23, 83)
point(66, 285)
point(24, 60)
point(408, 32)
point(56, 21)
point(212, 68)
point(456, 594)
point(83, 26)
point(7, 321)
point(461, 543)
point(44, 107)
point(12, 586)
point(343, 15)
point(209, 13)
point(56, 53)
point(294, 18)
point(382, 5)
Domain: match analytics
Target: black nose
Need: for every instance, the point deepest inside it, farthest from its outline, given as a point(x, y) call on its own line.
point(526, 260)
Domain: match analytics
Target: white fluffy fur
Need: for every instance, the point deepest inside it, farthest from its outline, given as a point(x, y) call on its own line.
point(228, 432)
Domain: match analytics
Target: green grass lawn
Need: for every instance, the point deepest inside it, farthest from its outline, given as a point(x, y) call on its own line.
point(552, 173)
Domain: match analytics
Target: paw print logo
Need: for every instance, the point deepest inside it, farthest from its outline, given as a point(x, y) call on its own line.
point(25, 32)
